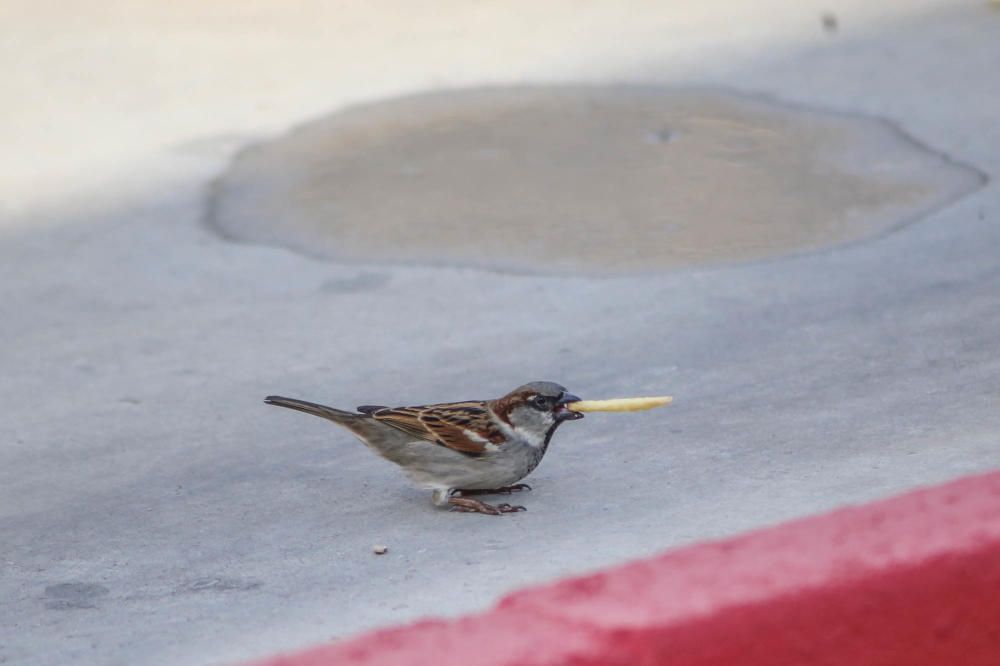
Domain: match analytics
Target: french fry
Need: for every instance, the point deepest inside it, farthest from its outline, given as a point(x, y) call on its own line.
point(620, 404)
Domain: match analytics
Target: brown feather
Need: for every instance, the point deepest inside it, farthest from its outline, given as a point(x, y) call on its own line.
point(445, 424)
point(502, 407)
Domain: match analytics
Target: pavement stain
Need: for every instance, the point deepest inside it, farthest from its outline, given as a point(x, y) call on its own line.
point(219, 584)
point(74, 595)
point(363, 281)
point(577, 179)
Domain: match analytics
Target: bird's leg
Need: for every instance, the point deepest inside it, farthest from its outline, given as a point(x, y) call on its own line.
point(468, 505)
point(503, 490)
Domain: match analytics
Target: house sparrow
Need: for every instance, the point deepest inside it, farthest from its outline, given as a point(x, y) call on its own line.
point(459, 449)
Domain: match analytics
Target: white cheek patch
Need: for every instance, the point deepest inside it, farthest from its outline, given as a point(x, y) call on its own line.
point(525, 435)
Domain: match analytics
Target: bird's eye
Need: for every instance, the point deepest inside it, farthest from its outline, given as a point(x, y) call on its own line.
point(541, 402)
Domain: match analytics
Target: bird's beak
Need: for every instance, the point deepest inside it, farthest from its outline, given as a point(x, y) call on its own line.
point(567, 398)
point(562, 412)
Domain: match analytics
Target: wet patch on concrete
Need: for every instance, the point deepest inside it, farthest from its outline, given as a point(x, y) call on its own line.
point(72, 595)
point(580, 180)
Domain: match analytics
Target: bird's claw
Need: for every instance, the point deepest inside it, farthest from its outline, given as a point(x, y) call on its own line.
point(467, 505)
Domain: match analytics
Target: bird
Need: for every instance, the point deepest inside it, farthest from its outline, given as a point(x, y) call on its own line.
point(460, 449)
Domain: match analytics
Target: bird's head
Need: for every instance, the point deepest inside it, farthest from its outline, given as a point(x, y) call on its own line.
point(538, 407)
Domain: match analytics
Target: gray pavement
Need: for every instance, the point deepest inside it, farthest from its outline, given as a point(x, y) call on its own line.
point(153, 510)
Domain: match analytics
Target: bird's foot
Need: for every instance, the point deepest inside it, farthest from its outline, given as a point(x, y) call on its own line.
point(503, 490)
point(468, 505)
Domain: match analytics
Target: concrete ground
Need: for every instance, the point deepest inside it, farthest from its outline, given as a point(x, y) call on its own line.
point(153, 510)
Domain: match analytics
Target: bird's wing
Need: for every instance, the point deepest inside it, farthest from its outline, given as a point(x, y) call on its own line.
point(462, 426)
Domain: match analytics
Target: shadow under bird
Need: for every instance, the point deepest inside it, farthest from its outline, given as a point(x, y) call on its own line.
point(460, 449)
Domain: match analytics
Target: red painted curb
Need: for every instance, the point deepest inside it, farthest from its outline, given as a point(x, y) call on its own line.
point(910, 580)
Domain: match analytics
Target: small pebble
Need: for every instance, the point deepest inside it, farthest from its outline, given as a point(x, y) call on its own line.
point(380, 550)
point(829, 22)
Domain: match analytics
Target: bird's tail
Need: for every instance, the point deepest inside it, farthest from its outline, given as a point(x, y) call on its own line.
point(335, 415)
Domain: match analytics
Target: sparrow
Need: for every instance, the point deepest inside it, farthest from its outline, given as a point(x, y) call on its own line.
point(460, 449)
